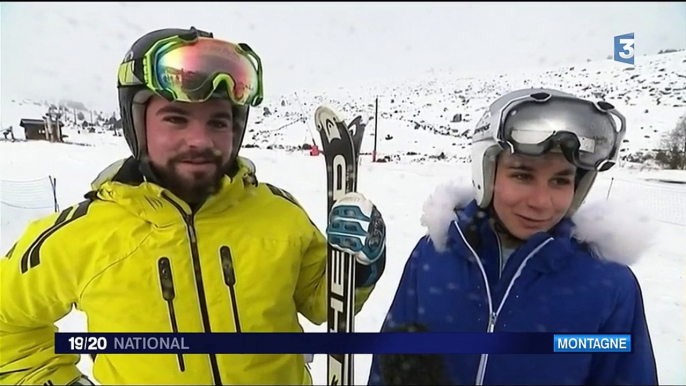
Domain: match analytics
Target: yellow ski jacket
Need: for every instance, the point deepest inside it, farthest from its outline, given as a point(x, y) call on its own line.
point(135, 258)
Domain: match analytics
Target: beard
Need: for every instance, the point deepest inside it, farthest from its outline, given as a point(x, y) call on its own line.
point(192, 186)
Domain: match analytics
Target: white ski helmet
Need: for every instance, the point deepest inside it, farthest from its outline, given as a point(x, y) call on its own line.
point(533, 122)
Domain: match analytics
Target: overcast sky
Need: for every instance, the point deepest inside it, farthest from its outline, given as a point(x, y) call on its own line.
point(72, 50)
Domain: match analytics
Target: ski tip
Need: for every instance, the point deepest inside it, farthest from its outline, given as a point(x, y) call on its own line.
point(325, 109)
point(326, 116)
point(325, 112)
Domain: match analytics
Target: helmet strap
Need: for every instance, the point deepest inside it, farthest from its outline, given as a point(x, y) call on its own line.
point(498, 225)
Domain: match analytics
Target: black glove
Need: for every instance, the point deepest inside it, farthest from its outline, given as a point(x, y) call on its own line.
point(413, 369)
point(82, 380)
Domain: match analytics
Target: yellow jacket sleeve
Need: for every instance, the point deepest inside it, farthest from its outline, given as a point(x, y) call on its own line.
point(311, 289)
point(38, 286)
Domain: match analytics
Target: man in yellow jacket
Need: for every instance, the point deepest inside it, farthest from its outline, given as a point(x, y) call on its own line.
point(180, 237)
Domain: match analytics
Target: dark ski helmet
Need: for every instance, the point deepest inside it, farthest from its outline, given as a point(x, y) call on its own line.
point(133, 98)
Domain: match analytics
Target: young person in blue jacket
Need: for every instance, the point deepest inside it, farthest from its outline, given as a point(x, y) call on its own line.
point(517, 252)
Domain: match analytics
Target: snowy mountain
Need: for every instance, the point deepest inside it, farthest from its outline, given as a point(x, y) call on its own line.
point(414, 116)
point(417, 116)
point(432, 116)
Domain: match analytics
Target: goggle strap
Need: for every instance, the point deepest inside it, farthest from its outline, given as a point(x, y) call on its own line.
point(127, 76)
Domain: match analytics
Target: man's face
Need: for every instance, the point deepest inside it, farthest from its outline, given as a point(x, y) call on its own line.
point(188, 144)
point(532, 194)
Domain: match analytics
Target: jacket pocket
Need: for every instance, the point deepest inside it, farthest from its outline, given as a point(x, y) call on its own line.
point(230, 281)
point(167, 284)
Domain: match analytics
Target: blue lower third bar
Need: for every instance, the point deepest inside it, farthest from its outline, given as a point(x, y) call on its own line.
point(301, 343)
point(572, 343)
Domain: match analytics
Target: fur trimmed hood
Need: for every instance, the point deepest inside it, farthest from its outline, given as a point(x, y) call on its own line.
point(613, 231)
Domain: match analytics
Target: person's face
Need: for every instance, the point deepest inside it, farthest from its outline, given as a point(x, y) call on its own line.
point(188, 144)
point(532, 194)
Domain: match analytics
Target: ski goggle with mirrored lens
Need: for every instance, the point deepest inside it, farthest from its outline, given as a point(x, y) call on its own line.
point(195, 70)
point(589, 134)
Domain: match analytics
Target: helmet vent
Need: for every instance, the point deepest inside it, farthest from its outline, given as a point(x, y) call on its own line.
point(540, 96)
point(605, 105)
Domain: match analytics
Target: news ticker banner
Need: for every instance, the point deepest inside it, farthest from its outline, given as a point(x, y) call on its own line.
point(338, 343)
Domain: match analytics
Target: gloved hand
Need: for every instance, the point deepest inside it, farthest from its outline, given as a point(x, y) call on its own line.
point(356, 226)
point(81, 381)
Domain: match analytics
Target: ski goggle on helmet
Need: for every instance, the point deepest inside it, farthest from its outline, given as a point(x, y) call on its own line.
point(589, 134)
point(192, 69)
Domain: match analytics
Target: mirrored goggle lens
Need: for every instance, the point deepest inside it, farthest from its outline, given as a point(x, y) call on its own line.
point(535, 127)
point(193, 72)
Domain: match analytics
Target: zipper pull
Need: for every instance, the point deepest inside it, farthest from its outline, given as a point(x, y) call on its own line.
point(227, 266)
point(191, 228)
point(192, 233)
point(166, 281)
point(491, 321)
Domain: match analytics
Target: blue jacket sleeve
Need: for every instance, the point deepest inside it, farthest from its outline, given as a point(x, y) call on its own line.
point(403, 309)
point(637, 367)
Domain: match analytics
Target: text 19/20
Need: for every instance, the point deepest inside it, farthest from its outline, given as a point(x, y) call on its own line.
point(90, 343)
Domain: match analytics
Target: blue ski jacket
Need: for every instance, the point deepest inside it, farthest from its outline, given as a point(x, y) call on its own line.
point(573, 279)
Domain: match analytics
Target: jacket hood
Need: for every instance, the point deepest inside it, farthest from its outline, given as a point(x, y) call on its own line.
point(613, 231)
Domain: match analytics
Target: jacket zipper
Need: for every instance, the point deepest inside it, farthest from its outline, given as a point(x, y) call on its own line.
point(493, 315)
point(500, 257)
point(167, 284)
point(195, 259)
point(230, 280)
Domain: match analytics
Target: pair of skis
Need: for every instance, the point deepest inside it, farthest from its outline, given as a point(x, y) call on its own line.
point(341, 150)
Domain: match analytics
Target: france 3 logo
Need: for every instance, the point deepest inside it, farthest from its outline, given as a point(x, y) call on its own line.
point(624, 48)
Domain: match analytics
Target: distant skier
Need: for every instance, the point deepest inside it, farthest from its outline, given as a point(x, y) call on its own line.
point(512, 253)
point(180, 237)
point(9, 132)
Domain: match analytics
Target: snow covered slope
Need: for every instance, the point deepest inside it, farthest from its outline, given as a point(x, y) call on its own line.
point(416, 115)
point(399, 191)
